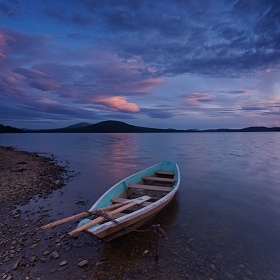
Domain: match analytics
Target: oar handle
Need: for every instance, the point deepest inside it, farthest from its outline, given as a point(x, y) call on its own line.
point(67, 219)
point(81, 215)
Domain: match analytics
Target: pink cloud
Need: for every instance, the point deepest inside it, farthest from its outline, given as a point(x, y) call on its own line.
point(198, 97)
point(30, 73)
point(147, 84)
point(44, 85)
point(4, 39)
point(38, 79)
point(248, 91)
point(9, 80)
point(117, 103)
point(12, 84)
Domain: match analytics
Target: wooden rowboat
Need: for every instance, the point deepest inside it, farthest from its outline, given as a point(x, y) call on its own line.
point(146, 193)
point(129, 204)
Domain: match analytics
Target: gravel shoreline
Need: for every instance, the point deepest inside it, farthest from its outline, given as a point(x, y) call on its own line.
point(23, 175)
point(26, 251)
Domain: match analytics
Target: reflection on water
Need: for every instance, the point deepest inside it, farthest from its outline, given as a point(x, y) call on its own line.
point(119, 154)
point(224, 223)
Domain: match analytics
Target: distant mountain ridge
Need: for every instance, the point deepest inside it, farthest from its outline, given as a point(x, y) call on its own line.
point(111, 126)
point(246, 129)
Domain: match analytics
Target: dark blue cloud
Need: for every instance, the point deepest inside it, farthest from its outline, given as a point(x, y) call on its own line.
point(160, 112)
point(214, 38)
point(9, 9)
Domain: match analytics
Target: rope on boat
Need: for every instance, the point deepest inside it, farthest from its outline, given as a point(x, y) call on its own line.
point(105, 215)
point(158, 232)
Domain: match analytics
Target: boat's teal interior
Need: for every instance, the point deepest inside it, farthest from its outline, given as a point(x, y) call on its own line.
point(120, 187)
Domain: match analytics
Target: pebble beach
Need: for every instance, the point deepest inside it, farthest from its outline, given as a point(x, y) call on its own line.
point(23, 176)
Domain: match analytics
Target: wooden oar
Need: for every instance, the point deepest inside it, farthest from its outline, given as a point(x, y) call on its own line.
point(133, 202)
point(82, 215)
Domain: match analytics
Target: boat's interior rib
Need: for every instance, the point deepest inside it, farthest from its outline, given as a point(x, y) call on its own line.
point(121, 200)
point(165, 173)
point(159, 179)
point(150, 187)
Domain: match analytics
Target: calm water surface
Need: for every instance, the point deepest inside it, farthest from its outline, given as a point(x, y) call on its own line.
point(225, 220)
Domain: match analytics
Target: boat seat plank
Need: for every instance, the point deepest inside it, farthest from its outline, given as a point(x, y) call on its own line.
point(121, 200)
point(165, 172)
point(159, 179)
point(149, 187)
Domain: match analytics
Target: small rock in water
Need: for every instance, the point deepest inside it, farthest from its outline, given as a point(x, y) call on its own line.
point(83, 263)
point(212, 266)
point(81, 202)
point(53, 270)
point(33, 259)
point(229, 275)
point(16, 265)
point(22, 162)
point(55, 255)
point(145, 252)
point(63, 263)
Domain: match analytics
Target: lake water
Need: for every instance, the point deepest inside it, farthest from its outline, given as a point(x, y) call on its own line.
point(225, 220)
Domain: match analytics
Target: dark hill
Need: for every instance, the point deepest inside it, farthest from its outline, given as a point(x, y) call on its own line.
point(109, 127)
point(82, 124)
point(118, 127)
point(260, 129)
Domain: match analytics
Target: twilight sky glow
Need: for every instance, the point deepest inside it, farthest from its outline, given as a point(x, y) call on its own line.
point(169, 63)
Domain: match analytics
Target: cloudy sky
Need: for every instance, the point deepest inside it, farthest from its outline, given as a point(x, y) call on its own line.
point(167, 63)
